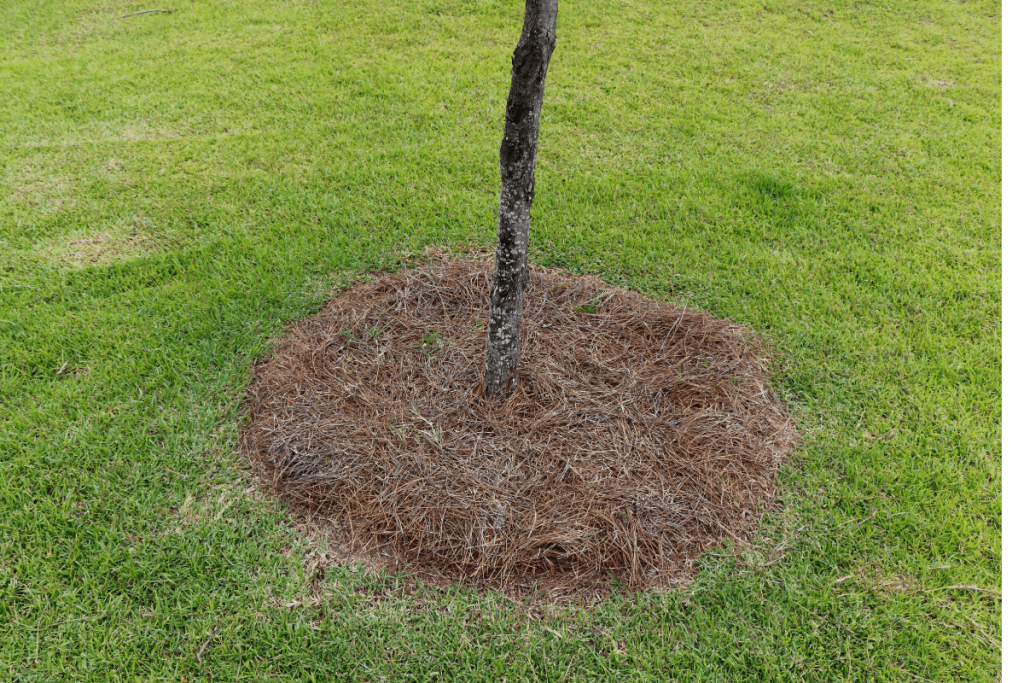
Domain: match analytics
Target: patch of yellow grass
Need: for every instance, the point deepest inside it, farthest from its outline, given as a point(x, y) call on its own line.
point(130, 240)
point(44, 192)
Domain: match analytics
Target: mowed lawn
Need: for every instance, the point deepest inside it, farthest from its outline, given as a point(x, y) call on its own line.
point(175, 189)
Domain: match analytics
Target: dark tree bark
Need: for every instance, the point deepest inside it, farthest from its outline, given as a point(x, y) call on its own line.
point(518, 159)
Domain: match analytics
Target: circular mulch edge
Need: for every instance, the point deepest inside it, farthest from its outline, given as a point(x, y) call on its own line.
point(639, 436)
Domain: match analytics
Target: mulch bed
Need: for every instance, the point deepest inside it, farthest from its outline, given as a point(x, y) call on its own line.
point(639, 435)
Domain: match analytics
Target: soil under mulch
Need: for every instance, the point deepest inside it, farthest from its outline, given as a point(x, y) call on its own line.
point(639, 435)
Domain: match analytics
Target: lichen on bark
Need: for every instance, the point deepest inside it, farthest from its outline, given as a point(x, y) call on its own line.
point(518, 161)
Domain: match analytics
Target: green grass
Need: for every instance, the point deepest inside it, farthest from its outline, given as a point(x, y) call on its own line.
point(176, 188)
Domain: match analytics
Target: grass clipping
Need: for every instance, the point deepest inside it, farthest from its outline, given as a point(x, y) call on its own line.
point(639, 435)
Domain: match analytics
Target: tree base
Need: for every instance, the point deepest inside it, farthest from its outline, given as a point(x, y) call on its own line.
point(639, 436)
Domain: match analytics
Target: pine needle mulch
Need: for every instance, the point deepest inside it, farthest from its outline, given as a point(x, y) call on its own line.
point(639, 435)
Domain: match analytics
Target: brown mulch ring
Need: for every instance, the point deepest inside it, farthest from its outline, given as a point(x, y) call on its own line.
point(639, 435)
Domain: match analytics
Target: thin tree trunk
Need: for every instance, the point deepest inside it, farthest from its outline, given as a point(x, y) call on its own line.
point(518, 158)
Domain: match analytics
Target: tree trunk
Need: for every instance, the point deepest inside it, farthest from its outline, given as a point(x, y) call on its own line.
point(518, 158)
